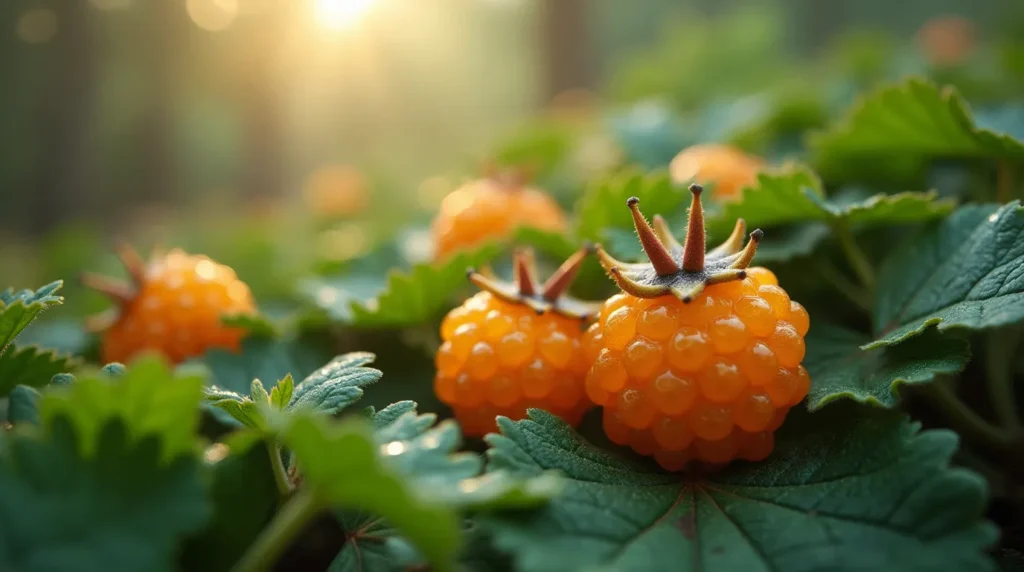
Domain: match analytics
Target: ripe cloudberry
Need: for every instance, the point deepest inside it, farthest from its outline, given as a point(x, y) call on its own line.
point(514, 346)
point(173, 305)
point(699, 357)
point(337, 191)
point(728, 168)
point(491, 208)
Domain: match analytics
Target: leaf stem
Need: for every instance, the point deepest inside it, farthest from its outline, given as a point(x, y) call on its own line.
point(284, 487)
point(964, 419)
point(1002, 343)
point(278, 535)
point(855, 256)
point(853, 292)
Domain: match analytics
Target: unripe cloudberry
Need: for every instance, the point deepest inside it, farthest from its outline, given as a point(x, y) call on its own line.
point(492, 208)
point(173, 305)
point(698, 359)
point(514, 346)
point(725, 166)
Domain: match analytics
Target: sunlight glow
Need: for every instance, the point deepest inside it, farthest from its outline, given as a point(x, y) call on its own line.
point(212, 15)
point(341, 14)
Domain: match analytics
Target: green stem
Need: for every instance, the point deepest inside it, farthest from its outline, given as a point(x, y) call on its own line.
point(278, 535)
point(1002, 344)
point(1004, 182)
point(964, 419)
point(284, 487)
point(854, 293)
point(858, 260)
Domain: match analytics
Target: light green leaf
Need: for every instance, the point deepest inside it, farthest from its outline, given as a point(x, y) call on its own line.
point(149, 399)
point(853, 489)
point(244, 499)
point(603, 204)
point(30, 366)
point(839, 368)
point(119, 508)
point(557, 245)
point(19, 308)
point(915, 118)
point(408, 299)
point(281, 394)
point(254, 324)
point(962, 273)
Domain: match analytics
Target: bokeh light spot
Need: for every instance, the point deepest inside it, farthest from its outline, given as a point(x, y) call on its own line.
point(212, 15)
point(37, 26)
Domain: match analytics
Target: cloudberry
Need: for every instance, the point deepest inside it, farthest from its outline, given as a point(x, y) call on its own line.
point(698, 359)
point(492, 208)
point(515, 346)
point(173, 306)
point(728, 168)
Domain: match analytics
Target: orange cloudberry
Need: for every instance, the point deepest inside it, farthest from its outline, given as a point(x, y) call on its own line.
point(173, 305)
point(491, 208)
point(728, 168)
point(515, 346)
point(698, 359)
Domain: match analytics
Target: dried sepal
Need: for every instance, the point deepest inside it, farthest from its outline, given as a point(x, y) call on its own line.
point(680, 270)
point(119, 291)
point(548, 297)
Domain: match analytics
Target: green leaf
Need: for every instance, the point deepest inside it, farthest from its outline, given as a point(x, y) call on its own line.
point(341, 465)
point(148, 398)
point(839, 368)
point(244, 499)
point(18, 309)
point(855, 489)
point(796, 196)
point(281, 394)
point(265, 359)
point(962, 273)
point(30, 366)
point(914, 118)
point(603, 204)
point(23, 405)
point(119, 508)
point(254, 324)
point(338, 384)
point(425, 455)
point(409, 298)
point(557, 245)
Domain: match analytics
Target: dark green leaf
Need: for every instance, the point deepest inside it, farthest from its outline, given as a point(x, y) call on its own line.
point(120, 508)
point(23, 405)
point(603, 204)
point(148, 399)
point(852, 489)
point(336, 385)
point(963, 273)
point(839, 368)
point(19, 308)
point(30, 366)
point(265, 359)
point(914, 118)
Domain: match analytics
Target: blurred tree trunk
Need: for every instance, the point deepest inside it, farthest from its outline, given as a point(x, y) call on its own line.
point(262, 96)
point(159, 177)
point(64, 171)
point(567, 46)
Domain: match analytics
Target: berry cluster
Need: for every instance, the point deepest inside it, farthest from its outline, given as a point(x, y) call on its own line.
point(513, 347)
point(491, 208)
point(709, 380)
point(173, 306)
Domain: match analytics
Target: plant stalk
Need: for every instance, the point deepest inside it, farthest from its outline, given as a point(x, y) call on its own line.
point(1002, 344)
point(964, 419)
point(858, 260)
point(853, 292)
point(284, 486)
point(279, 534)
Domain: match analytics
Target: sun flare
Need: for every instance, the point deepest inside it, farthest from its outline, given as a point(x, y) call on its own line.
point(341, 14)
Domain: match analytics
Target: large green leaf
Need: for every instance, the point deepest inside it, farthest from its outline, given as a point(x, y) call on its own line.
point(120, 508)
point(796, 196)
point(409, 298)
point(839, 368)
point(148, 398)
point(914, 118)
point(266, 359)
point(30, 366)
point(853, 489)
point(425, 454)
point(603, 204)
point(962, 273)
point(19, 308)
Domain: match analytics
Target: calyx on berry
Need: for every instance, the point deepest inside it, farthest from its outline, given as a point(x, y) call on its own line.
point(119, 291)
point(680, 270)
point(547, 297)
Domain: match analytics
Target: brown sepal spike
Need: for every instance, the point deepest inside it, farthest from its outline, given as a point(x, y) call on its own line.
point(694, 268)
point(119, 291)
point(551, 296)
